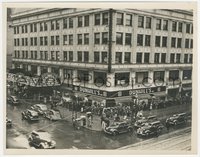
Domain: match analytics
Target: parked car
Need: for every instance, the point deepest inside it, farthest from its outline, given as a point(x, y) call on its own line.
point(40, 108)
point(53, 115)
point(66, 97)
point(177, 119)
point(8, 122)
point(30, 115)
point(149, 129)
point(118, 128)
point(41, 140)
point(13, 100)
point(140, 122)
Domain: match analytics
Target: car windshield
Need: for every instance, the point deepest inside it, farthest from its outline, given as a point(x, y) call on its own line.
point(42, 107)
point(34, 113)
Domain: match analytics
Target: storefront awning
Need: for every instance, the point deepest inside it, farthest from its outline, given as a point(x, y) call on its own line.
point(160, 94)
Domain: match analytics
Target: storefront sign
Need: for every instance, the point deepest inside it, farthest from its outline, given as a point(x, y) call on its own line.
point(90, 91)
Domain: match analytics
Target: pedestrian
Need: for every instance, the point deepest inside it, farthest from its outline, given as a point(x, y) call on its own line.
point(167, 126)
point(151, 107)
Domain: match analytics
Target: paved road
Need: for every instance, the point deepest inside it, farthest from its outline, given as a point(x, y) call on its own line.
point(177, 140)
point(64, 134)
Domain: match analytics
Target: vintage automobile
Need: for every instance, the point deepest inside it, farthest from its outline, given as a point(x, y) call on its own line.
point(66, 97)
point(41, 140)
point(8, 122)
point(53, 115)
point(140, 122)
point(40, 108)
point(118, 128)
point(13, 100)
point(30, 115)
point(177, 119)
point(149, 129)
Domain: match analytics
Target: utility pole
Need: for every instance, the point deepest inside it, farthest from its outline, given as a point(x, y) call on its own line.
point(133, 102)
point(110, 24)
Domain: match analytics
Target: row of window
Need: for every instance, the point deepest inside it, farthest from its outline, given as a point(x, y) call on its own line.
point(101, 57)
point(161, 58)
point(142, 40)
point(120, 78)
point(102, 19)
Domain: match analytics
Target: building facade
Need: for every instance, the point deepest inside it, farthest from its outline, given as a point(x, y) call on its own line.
point(108, 52)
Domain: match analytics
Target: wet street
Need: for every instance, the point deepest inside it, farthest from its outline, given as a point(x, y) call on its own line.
point(64, 134)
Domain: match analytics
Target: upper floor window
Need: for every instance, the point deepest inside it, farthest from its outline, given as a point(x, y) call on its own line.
point(96, 57)
point(65, 21)
point(164, 41)
point(148, 22)
point(157, 41)
point(178, 58)
point(173, 42)
point(180, 27)
point(97, 19)
point(179, 42)
point(174, 26)
point(41, 27)
point(105, 19)
point(128, 39)
point(163, 57)
point(140, 40)
point(52, 40)
point(139, 57)
point(45, 26)
point(120, 18)
point(65, 40)
point(128, 20)
point(146, 57)
point(57, 25)
point(57, 40)
point(119, 38)
point(185, 58)
point(140, 21)
point(158, 24)
point(86, 20)
point(127, 57)
point(147, 40)
point(80, 21)
point(52, 25)
point(86, 56)
point(191, 43)
point(71, 39)
point(79, 39)
point(156, 57)
point(104, 37)
point(187, 28)
point(172, 57)
point(96, 38)
point(165, 25)
point(71, 22)
point(186, 43)
point(86, 38)
point(118, 57)
point(35, 27)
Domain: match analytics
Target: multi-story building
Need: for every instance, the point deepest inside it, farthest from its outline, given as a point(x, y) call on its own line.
point(108, 52)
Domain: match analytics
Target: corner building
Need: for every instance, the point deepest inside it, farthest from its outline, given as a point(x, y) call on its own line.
point(108, 52)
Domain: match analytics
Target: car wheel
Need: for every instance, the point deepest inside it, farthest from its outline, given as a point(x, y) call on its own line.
point(41, 146)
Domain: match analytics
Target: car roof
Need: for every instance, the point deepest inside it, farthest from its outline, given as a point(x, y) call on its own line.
point(155, 122)
point(34, 112)
point(181, 114)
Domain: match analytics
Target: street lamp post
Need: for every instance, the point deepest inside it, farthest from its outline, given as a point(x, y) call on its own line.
point(133, 103)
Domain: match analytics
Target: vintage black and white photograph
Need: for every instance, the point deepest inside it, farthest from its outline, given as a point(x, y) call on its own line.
point(99, 78)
